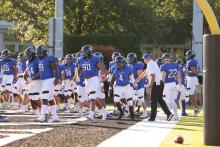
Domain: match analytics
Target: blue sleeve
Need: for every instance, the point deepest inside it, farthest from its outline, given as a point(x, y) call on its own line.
point(52, 59)
point(140, 66)
point(129, 70)
point(97, 59)
point(163, 67)
point(14, 62)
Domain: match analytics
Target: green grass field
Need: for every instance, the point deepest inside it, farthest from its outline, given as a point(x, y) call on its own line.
point(190, 128)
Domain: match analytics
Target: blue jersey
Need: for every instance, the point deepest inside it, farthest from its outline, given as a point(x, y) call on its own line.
point(89, 66)
point(7, 66)
point(69, 70)
point(111, 64)
point(33, 67)
point(171, 72)
point(122, 76)
point(189, 64)
point(21, 66)
point(46, 72)
point(182, 76)
point(60, 68)
point(135, 67)
point(81, 81)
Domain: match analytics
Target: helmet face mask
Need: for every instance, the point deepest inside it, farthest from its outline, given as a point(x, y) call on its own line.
point(5, 54)
point(159, 61)
point(69, 59)
point(120, 62)
point(115, 54)
point(131, 58)
point(180, 62)
point(42, 51)
point(21, 57)
point(30, 53)
point(78, 55)
point(190, 54)
point(167, 57)
point(86, 51)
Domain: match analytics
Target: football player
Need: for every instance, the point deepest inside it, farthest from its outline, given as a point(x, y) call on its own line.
point(49, 77)
point(74, 88)
point(20, 85)
point(67, 76)
point(104, 75)
point(159, 61)
point(182, 89)
point(32, 77)
point(137, 69)
point(9, 72)
point(111, 65)
point(59, 88)
point(192, 79)
point(89, 66)
point(122, 76)
point(81, 90)
point(170, 72)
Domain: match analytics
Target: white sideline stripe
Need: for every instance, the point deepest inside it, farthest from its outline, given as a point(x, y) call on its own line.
point(33, 116)
point(65, 122)
point(9, 138)
point(26, 130)
point(142, 134)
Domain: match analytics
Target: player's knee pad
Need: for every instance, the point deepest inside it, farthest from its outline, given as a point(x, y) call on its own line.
point(141, 99)
point(130, 102)
point(46, 95)
point(116, 98)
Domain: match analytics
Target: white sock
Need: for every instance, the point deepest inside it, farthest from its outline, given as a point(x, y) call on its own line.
point(53, 110)
point(44, 110)
point(36, 112)
point(174, 110)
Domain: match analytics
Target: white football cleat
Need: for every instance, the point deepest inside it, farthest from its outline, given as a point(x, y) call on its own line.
point(40, 119)
point(54, 119)
point(90, 117)
point(144, 115)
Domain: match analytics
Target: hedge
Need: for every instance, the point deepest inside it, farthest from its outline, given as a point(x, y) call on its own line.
point(123, 43)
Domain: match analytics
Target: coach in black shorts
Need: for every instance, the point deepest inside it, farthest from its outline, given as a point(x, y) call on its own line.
point(156, 87)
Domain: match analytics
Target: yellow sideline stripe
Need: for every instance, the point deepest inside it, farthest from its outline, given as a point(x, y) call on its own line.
point(210, 16)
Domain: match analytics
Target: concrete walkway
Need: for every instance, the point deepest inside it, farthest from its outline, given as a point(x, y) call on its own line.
point(142, 134)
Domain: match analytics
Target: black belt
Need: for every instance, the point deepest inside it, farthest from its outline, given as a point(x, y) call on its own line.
point(20, 76)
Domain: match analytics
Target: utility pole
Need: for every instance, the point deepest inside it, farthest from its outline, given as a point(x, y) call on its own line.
point(197, 34)
point(58, 28)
